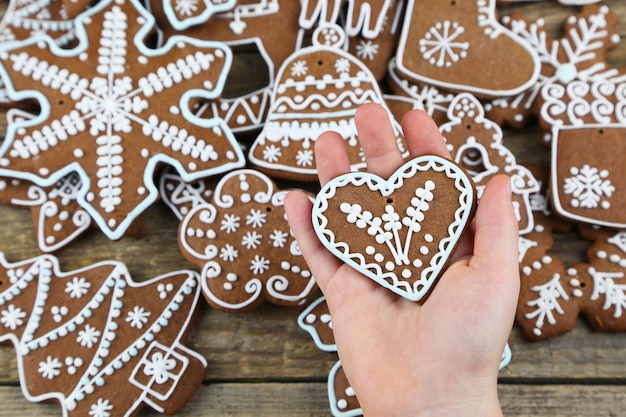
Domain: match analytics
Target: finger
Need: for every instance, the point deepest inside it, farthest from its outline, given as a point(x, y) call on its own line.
point(377, 139)
point(322, 263)
point(331, 156)
point(422, 135)
point(496, 231)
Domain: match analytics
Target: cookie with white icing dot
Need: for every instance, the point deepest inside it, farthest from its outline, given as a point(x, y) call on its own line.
point(401, 231)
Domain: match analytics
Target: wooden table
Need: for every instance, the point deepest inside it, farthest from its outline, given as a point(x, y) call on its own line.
point(262, 364)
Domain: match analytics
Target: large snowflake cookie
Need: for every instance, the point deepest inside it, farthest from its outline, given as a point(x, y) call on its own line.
point(400, 232)
point(113, 110)
point(447, 44)
point(245, 247)
point(98, 343)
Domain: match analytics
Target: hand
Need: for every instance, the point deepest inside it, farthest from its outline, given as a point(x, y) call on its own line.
point(405, 359)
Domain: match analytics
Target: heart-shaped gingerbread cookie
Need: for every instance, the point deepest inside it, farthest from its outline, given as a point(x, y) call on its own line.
point(400, 232)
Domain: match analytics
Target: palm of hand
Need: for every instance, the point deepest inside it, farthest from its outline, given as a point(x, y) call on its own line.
point(403, 358)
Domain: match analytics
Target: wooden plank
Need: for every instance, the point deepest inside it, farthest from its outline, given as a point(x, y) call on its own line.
point(310, 400)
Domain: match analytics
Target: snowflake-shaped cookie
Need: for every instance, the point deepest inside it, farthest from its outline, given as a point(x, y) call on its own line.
point(245, 247)
point(113, 110)
point(85, 336)
point(578, 55)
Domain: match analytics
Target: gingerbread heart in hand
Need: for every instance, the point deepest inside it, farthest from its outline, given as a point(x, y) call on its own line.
point(400, 232)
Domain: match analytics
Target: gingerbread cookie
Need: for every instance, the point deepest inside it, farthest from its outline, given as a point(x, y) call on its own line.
point(95, 341)
point(423, 97)
point(319, 88)
point(108, 89)
point(58, 219)
point(399, 232)
point(316, 320)
point(362, 17)
point(244, 29)
point(182, 14)
point(588, 143)
point(376, 51)
point(602, 283)
point(447, 43)
point(476, 143)
point(180, 196)
point(578, 55)
point(24, 18)
point(245, 247)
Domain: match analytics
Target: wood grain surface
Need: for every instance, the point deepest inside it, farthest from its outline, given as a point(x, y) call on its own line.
point(262, 364)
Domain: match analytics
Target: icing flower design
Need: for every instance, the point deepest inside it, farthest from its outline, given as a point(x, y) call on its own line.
point(12, 317)
point(138, 317)
point(88, 337)
point(77, 287)
point(49, 368)
point(102, 408)
point(159, 367)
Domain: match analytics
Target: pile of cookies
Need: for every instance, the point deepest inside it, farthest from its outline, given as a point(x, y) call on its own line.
point(115, 104)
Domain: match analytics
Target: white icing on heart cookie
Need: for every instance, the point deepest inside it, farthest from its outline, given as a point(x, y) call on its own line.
point(399, 232)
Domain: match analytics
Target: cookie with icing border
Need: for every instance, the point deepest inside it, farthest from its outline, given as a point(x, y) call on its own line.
point(182, 14)
point(602, 294)
point(588, 137)
point(180, 196)
point(245, 247)
point(430, 99)
point(362, 17)
point(98, 95)
point(58, 219)
point(22, 19)
point(580, 54)
point(401, 231)
point(244, 30)
point(446, 44)
point(377, 51)
point(476, 143)
point(94, 341)
point(316, 321)
point(319, 88)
